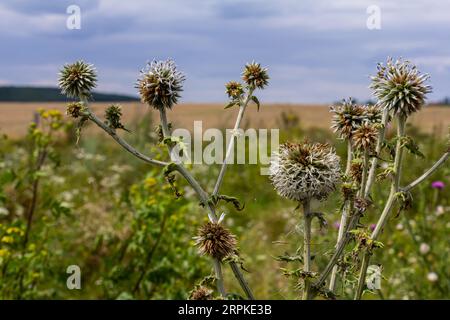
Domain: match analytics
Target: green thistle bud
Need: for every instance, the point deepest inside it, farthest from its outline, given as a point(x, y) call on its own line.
point(215, 241)
point(113, 115)
point(400, 87)
point(234, 89)
point(255, 76)
point(75, 109)
point(77, 80)
point(160, 84)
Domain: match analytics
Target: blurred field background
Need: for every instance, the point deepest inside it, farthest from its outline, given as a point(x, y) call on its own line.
point(15, 116)
point(117, 218)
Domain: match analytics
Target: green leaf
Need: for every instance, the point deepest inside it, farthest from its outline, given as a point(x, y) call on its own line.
point(230, 104)
point(255, 100)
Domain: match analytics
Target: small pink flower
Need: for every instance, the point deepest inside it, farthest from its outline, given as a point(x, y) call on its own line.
point(337, 225)
point(438, 185)
point(372, 226)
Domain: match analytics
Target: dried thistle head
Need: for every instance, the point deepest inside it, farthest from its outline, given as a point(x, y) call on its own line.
point(234, 90)
point(400, 87)
point(215, 241)
point(255, 75)
point(201, 293)
point(305, 171)
point(75, 109)
point(160, 84)
point(347, 117)
point(365, 137)
point(76, 80)
point(356, 169)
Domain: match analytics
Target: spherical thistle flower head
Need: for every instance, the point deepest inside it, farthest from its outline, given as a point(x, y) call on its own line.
point(75, 109)
point(365, 137)
point(76, 80)
point(255, 76)
point(347, 117)
point(305, 171)
point(400, 87)
point(234, 89)
point(201, 293)
point(372, 114)
point(215, 241)
point(160, 84)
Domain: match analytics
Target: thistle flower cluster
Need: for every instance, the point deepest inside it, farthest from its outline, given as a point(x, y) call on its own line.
point(400, 87)
point(255, 76)
point(347, 117)
point(77, 80)
point(113, 114)
point(215, 241)
point(305, 171)
point(160, 84)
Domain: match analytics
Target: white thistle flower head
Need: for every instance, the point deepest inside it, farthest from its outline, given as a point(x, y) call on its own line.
point(305, 171)
point(347, 117)
point(76, 80)
point(399, 86)
point(372, 114)
point(160, 84)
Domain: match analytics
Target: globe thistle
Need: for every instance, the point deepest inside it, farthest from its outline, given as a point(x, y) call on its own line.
point(75, 109)
point(347, 117)
point(372, 114)
point(215, 241)
point(255, 75)
point(77, 80)
point(113, 114)
point(356, 169)
point(234, 90)
point(201, 293)
point(305, 171)
point(160, 84)
point(365, 137)
point(400, 87)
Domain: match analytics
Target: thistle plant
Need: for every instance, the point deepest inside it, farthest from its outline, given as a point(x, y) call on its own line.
point(160, 86)
point(303, 172)
point(401, 90)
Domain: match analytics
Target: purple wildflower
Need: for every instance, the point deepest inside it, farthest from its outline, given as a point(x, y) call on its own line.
point(438, 185)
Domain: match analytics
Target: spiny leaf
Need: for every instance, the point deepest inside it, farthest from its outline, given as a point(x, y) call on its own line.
point(255, 100)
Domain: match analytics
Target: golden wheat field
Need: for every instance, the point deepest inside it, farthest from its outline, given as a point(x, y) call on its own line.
point(14, 117)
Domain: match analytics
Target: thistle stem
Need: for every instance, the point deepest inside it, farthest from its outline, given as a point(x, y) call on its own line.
point(230, 146)
point(307, 248)
point(427, 173)
point(345, 214)
point(380, 141)
point(401, 120)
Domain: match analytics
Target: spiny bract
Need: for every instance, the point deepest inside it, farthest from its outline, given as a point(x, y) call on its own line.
point(305, 171)
point(160, 84)
point(76, 80)
point(365, 137)
point(400, 87)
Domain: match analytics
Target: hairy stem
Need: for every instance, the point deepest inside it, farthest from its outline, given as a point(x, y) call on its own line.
point(427, 173)
point(401, 120)
point(230, 147)
point(380, 141)
point(345, 214)
point(307, 248)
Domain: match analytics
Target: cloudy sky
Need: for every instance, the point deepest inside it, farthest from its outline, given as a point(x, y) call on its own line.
point(316, 50)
